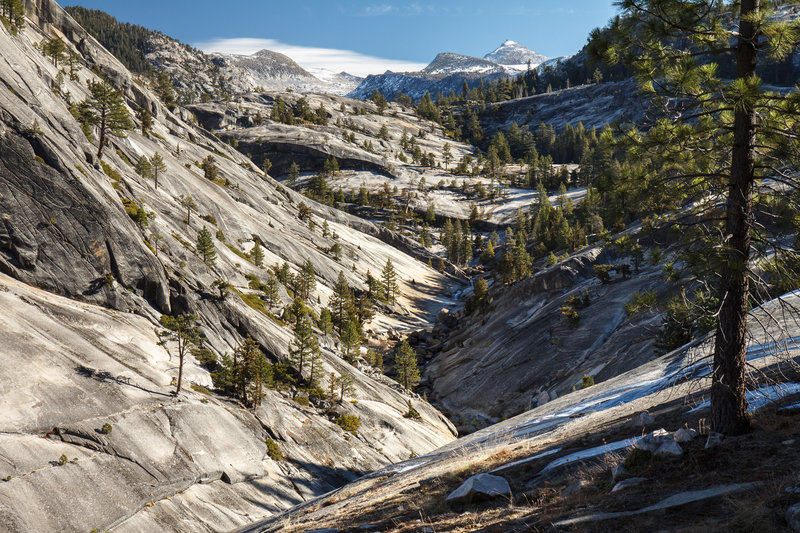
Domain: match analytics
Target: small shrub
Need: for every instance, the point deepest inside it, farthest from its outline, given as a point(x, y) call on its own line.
point(210, 219)
point(349, 423)
point(587, 381)
point(412, 413)
point(274, 451)
point(205, 358)
point(640, 301)
point(603, 273)
point(63, 459)
point(302, 400)
point(200, 389)
point(106, 429)
point(571, 315)
point(638, 460)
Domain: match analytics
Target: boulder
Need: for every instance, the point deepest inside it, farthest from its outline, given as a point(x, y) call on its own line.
point(627, 483)
point(542, 398)
point(480, 487)
point(685, 435)
point(793, 517)
point(669, 447)
point(659, 442)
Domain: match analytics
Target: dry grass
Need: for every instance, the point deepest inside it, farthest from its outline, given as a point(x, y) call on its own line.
point(417, 498)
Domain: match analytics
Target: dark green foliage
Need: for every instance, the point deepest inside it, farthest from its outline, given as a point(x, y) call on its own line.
point(379, 100)
point(274, 451)
point(638, 460)
point(349, 423)
point(128, 43)
point(603, 273)
point(304, 348)
point(389, 281)
point(245, 374)
point(405, 366)
point(106, 110)
point(205, 247)
point(257, 254)
point(12, 15)
point(686, 318)
point(157, 166)
point(106, 429)
point(350, 338)
point(412, 413)
point(210, 169)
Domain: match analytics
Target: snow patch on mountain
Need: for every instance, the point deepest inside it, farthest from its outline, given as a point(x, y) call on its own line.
point(514, 54)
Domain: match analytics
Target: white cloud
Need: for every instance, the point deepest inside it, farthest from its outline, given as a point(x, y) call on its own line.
point(310, 57)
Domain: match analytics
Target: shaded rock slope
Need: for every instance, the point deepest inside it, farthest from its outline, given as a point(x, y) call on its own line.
point(83, 286)
point(559, 457)
point(521, 350)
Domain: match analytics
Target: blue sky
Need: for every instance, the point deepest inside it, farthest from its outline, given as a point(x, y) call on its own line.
point(371, 34)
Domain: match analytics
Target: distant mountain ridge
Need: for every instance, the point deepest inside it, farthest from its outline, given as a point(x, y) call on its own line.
point(196, 75)
point(450, 71)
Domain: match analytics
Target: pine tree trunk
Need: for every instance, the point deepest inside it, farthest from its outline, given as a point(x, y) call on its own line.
point(180, 371)
point(728, 392)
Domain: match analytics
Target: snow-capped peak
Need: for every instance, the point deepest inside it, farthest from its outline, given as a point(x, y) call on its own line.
point(513, 53)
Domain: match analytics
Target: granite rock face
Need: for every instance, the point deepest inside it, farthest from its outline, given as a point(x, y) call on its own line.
point(82, 285)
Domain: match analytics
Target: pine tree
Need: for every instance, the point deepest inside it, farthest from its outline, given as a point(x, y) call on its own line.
point(157, 166)
point(106, 110)
point(466, 245)
point(316, 371)
point(251, 372)
point(345, 385)
point(257, 254)
point(271, 295)
point(12, 14)
point(674, 48)
point(304, 346)
point(487, 256)
point(55, 49)
point(309, 279)
point(143, 114)
point(144, 168)
point(374, 286)
point(188, 203)
point(205, 247)
point(210, 169)
point(379, 100)
point(325, 323)
point(389, 280)
point(294, 173)
point(341, 302)
point(350, 338)
point(183, 330)
point(447, 154)
point(405, 366)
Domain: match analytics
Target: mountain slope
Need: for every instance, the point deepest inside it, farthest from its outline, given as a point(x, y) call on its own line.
point(197, 461)
point(447, 72)
point(195, 75)
point(560, 458)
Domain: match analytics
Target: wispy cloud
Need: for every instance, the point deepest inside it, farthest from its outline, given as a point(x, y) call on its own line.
point(410, 9)
point(375, 10)
point(312, 57)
